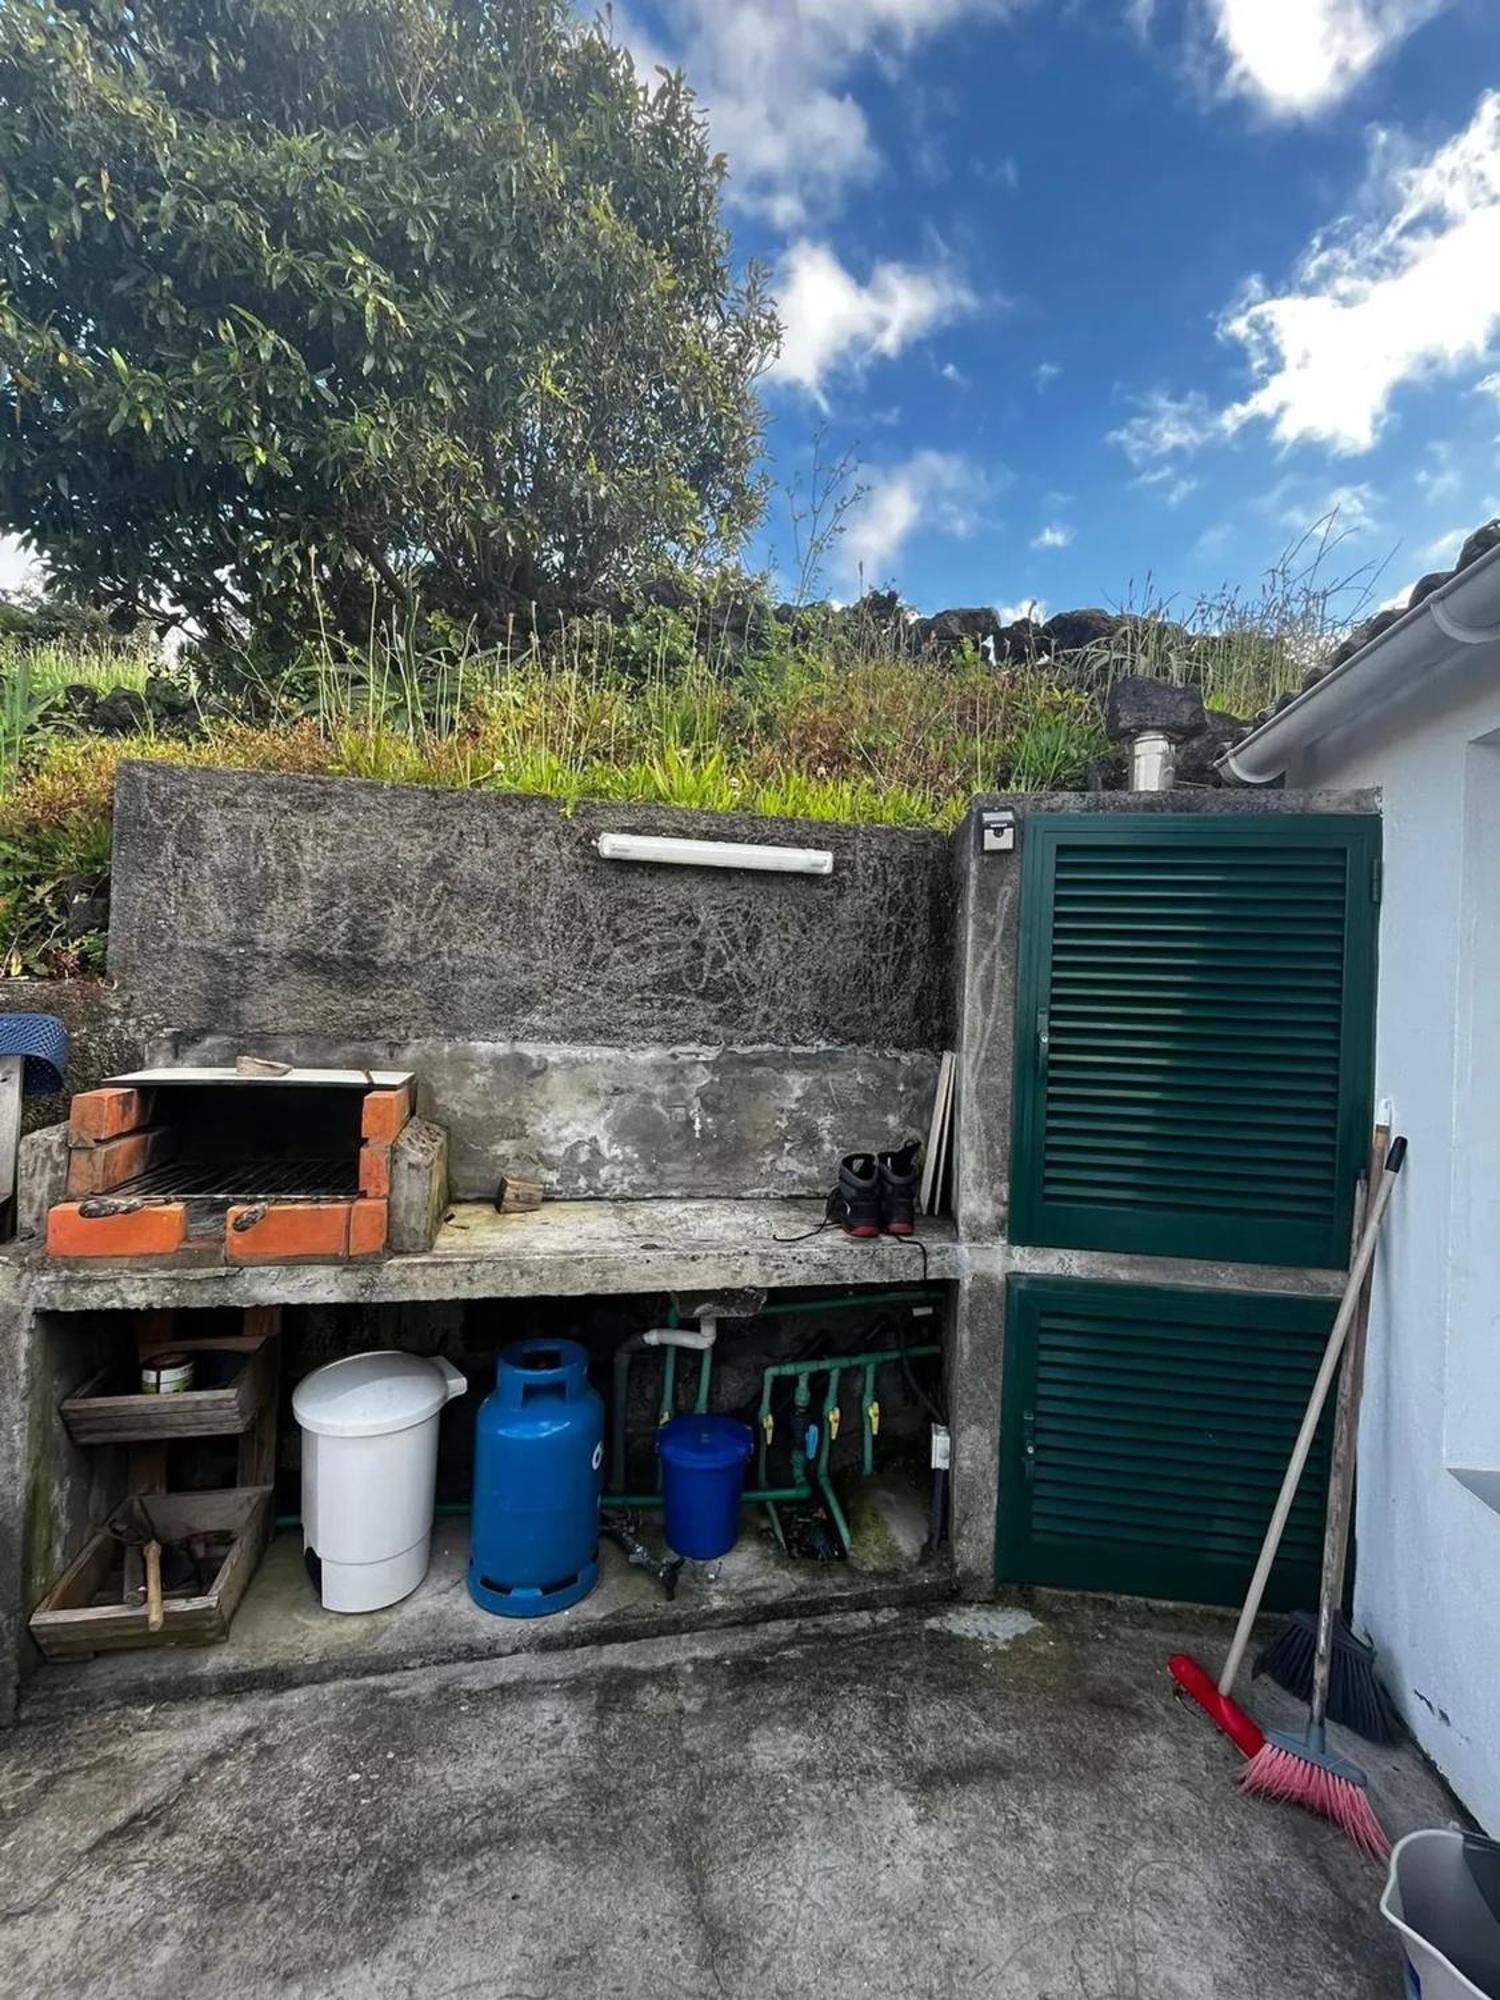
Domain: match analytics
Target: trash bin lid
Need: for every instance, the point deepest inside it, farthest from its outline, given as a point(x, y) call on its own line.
point(706, 1443)
point(367, 1395)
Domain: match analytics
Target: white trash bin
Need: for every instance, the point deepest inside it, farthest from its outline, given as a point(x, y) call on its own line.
point(369, 1470)
point(1441, 1896)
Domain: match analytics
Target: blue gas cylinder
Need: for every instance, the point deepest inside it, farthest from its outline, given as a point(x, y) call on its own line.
point(538, 1454)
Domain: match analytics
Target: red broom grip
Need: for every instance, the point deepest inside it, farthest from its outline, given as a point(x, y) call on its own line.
point(1242, 1730)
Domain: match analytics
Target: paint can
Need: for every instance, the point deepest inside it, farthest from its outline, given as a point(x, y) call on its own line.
point(166, 1374)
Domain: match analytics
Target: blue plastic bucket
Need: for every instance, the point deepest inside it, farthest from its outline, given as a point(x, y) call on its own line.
point(703, 1474)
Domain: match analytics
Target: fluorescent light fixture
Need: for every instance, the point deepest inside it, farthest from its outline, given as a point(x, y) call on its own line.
point(715, 854)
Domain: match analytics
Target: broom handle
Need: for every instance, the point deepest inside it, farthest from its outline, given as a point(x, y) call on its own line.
point(1341, 1476)
point(1344, 1319)
point(1351, 1382)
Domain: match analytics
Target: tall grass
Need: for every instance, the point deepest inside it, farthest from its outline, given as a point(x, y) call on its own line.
point(1245, 648)
point(721, 709)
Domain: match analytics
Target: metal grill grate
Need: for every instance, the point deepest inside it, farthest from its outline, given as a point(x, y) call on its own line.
point(245, 1180)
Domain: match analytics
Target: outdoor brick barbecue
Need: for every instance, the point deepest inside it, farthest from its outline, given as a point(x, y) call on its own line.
point(218, 1166)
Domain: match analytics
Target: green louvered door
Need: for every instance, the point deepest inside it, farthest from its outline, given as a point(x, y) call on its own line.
point(1145, 1434)
point(1193, 1033)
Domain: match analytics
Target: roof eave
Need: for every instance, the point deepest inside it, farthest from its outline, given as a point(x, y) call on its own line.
point(1463, 612)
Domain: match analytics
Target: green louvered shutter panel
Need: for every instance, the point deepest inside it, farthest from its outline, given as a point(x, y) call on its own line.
point(1193, 1033)
point(1145, 1433)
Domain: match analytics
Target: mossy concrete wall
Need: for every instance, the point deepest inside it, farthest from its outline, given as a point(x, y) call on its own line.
point(619, 1029)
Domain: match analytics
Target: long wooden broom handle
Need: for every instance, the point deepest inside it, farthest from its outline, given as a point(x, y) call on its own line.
point(1344, 1319)
point(1341, 1478)
point(1351, 1389)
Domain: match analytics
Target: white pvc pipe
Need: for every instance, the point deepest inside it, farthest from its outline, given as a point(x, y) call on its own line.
point(701, 1336)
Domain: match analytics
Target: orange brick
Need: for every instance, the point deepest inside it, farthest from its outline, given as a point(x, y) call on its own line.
point(141, 1232)
point(384, 1113)
point(97, 1115)
point(368, 1223)
point(96, 1169)
point(287, 1231)
point(375, 1170)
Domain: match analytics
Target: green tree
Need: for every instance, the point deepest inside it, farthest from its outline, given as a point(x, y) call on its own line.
point(314, 307)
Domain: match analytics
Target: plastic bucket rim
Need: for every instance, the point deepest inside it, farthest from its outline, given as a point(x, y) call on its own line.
point(1399, 1923)
point(735, 1443)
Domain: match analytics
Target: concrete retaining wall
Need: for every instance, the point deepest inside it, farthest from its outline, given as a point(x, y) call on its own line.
point(618, 1029)
point(271, 905)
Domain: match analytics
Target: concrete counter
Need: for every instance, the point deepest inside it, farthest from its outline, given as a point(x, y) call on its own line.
point(562, 1249)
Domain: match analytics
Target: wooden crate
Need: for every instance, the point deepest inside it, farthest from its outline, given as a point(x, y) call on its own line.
point(67, 1626)
point(94, 1416)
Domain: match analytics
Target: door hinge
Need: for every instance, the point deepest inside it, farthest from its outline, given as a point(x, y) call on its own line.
point(1377, 879)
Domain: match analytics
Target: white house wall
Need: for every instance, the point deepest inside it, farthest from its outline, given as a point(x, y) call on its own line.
point(1428, 1580)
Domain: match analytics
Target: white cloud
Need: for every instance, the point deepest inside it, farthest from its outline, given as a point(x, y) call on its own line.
point(1167, 483)
point(1298, 504)
point(1413, 292)
point(19, 568)
point(1029, 607)
point(1165, 426)
point(1056, 535)
point(832, 322)
point(1442, 551)
point(1213, 541)
point(1297, 57)
point(1440, 476)
point(931, 489)
point(1047, 373)
point(775, 80)
point(951, 372)
point(1489, 385)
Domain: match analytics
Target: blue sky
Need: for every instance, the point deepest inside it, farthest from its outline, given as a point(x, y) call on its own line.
point(1103, 288)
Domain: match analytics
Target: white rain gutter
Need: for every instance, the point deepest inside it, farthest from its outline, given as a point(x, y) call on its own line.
point(1464, 611)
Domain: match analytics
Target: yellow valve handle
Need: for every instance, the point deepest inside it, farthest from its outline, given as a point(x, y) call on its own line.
point(872, 1417)
point(833, 1421)
point(767, 1425)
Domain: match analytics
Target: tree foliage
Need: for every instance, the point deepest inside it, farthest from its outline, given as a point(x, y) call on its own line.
point(309, 306)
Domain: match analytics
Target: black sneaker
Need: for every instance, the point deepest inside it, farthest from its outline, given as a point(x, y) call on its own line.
point(855, 1203)
point(898, 1190)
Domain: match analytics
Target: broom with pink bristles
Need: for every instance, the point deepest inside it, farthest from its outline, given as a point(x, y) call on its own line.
point(1302, 1770)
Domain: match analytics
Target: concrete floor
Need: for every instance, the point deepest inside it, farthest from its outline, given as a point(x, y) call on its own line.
point(923, 1803)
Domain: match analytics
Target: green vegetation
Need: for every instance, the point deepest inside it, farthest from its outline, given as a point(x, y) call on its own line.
point(633, 712)
point(724, 707)
point(340, 308)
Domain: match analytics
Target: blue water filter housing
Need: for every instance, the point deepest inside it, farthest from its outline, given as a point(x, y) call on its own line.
point(538, 1459)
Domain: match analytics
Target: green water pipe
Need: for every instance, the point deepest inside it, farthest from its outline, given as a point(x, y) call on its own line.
point(841, 1305)
point(869, 1419)
point(825, 1446)
point(753, 1496)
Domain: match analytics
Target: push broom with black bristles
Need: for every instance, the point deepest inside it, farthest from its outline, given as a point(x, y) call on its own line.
point(1216, 1698)
point(1302, 1770)
point(1357, 1697)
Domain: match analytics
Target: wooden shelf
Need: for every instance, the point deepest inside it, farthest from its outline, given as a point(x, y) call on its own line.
point(96, 1416)
point(66, 1625)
